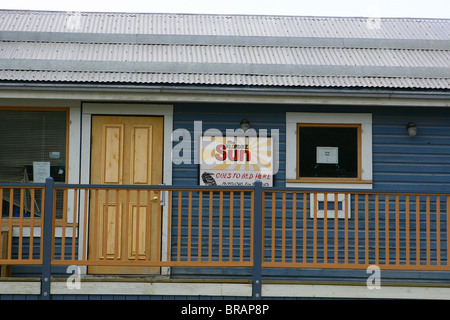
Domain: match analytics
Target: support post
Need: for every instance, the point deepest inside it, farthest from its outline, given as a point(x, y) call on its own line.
point(47, 234)
point(257, 240)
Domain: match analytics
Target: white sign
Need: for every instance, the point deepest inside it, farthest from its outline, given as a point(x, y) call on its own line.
point(41, 171)
point(235, 161)
point(327, 155)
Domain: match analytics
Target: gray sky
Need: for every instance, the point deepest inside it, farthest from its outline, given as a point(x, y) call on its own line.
point(364, 8)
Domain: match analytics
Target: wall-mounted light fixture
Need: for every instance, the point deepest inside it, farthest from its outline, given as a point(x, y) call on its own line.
point(412, 129)
point(245, 124)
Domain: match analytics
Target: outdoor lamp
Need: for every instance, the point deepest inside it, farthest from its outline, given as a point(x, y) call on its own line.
point(245, 124)
point(412, 129)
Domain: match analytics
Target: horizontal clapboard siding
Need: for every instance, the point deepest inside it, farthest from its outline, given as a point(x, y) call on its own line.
point(411, 164)
point(223, 117)
point(400, 163)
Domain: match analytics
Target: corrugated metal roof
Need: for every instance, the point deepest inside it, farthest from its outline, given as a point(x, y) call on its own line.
point(229, 25)
point(319, 56)
point(225, 79)
point(224, 50)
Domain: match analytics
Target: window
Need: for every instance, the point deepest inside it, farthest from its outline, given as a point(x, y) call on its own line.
point(30, 138)
point(33, 145)
point(329, 150)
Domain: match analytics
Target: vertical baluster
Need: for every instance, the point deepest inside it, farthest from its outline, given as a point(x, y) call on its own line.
point(230, 255)
point(448, 229)
point(105, 225)
point(74, 222)
point(428, 233)
point(346, 217)
point(315, 229)
point(336, 228)
point(138, 212)
point(377, 214)
point(83, 244)
point(283, 228)
point(200, 215)
point(325, 227)
point(294, 227)
point(169, 225)
point(64, 223)
point(148, 225)
point(397, 229)
point(10, 227)
point(438, 229)
point(417, 230)
point(21, 213)
point(305, 204)
point(273, 228)
point(210, 226)
point(407, 230)
point(241, 235)
point(189, 225)
point(32, 210)
point(179, 226)
point(252, 228)
point(356, 229)
point(1, 223)
point(366, 229)
point(96, 222)
point(128, 225)
point(220, 225)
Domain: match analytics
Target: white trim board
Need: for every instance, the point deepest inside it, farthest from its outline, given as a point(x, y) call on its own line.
point(354, 291)
point(156, 288)
point(365, 119)
point(20, 287)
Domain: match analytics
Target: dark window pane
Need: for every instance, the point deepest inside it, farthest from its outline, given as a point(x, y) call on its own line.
point(29, 140)
point(32, 136)
point(328, 151)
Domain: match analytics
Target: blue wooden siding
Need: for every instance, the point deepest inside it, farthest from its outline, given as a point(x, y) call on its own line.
point(410, 164)
point(400, 163)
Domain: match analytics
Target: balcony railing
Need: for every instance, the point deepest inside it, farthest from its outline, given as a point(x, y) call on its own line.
point(52, 224)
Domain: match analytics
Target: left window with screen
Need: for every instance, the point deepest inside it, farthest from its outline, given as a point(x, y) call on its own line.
point(33, 146)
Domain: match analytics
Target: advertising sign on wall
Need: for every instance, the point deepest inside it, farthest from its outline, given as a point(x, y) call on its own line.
point(236, 161)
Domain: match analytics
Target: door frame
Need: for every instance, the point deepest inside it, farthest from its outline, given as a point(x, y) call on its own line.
point(128, 109)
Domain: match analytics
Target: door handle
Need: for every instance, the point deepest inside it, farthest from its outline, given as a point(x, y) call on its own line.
point(161, 197)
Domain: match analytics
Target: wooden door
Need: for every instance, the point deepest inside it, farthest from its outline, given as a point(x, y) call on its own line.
point(125, 224)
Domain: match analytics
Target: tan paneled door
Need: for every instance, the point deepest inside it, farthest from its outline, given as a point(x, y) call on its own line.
point(125, 225)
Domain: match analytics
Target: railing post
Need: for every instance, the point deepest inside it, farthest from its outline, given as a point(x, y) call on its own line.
point(257, 240)
point(47, 239)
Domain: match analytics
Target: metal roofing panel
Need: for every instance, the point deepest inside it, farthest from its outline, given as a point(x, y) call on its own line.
point(225, 79)
point(224, 50)
point(320, 56)
point(232, 25)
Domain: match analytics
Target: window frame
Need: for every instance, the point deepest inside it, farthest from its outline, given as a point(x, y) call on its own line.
point(331, 179)
point(361, 120)
point(67, 133)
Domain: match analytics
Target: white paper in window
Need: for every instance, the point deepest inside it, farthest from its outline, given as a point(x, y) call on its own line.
point(327, 155)
point(41, 171)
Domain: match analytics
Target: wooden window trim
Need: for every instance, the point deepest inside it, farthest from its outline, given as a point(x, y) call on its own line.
point(357, 179)
point(67, 110)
